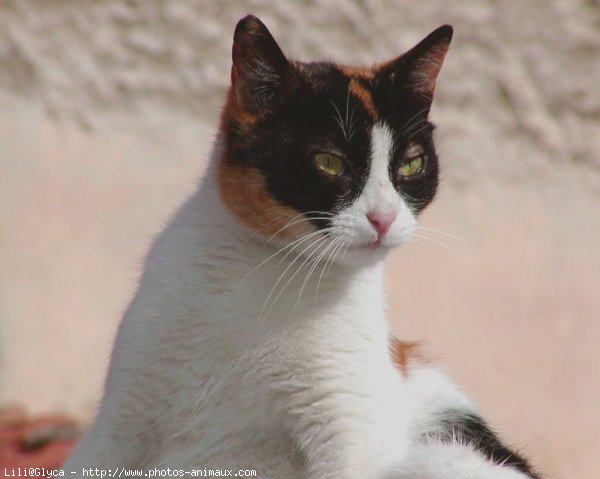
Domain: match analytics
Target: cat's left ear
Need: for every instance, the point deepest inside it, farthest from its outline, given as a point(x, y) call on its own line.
point(417, 70)
point(261, 75)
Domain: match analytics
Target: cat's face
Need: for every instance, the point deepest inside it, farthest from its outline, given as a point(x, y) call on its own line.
point(330, 156)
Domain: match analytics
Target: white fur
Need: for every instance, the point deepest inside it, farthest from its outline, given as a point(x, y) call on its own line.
point(200, 376)
point(436, 459)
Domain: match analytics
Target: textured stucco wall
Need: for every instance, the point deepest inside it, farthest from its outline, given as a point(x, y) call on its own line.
point(107, 111)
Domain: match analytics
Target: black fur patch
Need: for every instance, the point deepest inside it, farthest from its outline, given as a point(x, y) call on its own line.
point(473, 430)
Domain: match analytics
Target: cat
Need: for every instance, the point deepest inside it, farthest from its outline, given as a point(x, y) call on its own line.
point(257, 338)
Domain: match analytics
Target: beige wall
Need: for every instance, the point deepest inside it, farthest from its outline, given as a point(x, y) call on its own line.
point(106, 116)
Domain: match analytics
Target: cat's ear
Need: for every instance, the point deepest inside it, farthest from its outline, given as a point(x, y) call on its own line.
point(261, 75)
point(417, 70)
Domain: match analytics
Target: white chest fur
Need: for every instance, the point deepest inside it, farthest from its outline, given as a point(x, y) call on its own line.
point(201, 375)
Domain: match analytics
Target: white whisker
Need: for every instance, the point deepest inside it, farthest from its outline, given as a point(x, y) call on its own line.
point(325, 230)
point(331, 253)
point(339, 120)
point(434, 241)
point(429, 247)
point(292, 223)
point(317, 241)
point(347, 107)
point(444, 233)
point(414, 120)
point(295, 244)
point(335, 256)
point(443, 245)
point(312, 269)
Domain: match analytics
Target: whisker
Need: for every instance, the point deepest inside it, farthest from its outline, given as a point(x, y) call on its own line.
point(277, 218)
point(427, 238)
point(258, 231)
point(409, 124)
point(429, 247)
point(444, 233)
point(293, 244)
point(325, 230)
point(338, 119)
point(331, 253)
point(292, 223)
point(317, 241)
point(351, 126)
point(454, 253)
point(412, 127)
point(335, 256)
point(347, 106)
point(312, 269)
point(302, 214)
point(423, 128)
point(345, 250)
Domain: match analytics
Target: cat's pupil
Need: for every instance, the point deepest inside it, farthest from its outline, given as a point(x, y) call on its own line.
point(329, 163)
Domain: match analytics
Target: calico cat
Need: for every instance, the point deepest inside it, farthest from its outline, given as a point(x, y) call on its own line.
point(257, 338)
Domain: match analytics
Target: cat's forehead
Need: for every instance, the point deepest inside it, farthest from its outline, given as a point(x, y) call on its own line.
point(332, 81)
point(320, 73)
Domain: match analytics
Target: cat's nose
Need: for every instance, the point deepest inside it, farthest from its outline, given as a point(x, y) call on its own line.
point(381, 221)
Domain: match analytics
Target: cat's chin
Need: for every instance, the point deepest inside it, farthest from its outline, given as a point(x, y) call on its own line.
point(361, 256)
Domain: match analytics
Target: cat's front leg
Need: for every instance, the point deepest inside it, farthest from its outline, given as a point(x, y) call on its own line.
point(344, 453)
point(347, 436)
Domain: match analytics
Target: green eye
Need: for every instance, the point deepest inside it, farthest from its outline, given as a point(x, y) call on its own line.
point(414, 161)
point(411, 167)
point(329, 163)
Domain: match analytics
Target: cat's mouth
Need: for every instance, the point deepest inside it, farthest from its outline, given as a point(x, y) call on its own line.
point(379, 244)
point(367, 252)
point(373, 244)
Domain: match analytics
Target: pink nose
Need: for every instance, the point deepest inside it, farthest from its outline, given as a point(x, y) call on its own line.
point(381, 221)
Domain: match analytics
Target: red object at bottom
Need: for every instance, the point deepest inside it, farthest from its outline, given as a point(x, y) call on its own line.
point(43, 442)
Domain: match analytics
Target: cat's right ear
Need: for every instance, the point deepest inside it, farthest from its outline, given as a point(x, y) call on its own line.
point(261, 75)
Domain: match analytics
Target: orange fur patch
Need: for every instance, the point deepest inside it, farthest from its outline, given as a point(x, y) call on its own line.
point(405, 352)
point(364, 96)
point(359, 72)
point(358, 90)
point(233, 111)
point(244, 191)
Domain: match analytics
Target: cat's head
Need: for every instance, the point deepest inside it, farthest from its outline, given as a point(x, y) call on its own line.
point(345, 153)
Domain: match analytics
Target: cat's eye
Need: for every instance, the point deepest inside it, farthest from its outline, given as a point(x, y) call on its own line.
point(329, 163)
point(411, 167)
point(413, 163)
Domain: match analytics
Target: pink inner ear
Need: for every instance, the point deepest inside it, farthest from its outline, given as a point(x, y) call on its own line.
point(426, 69)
